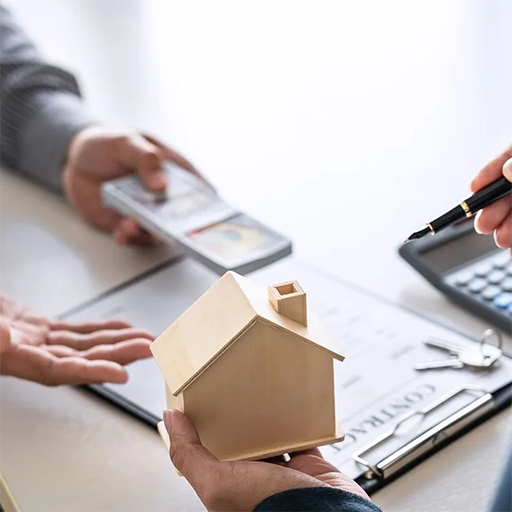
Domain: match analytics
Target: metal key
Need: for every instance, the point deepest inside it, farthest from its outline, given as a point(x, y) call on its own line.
point(478, 356)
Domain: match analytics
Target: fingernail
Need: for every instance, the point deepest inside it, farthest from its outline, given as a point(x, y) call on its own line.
point(507, 169)
point(157, 180)
point(168, 421)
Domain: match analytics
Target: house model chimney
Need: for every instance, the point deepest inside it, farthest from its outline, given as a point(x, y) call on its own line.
point(289, 300)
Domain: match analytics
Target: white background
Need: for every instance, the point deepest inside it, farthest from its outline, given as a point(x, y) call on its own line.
point(345, 125)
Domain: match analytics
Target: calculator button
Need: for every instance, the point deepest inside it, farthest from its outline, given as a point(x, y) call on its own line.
point(463, 278)
point(490, 292)
point(509, 309)
point(508, 268)
point(496, 277)
point(501, 260)
point(506, 285)
point(483, 269)
point(477, 285)
point(504, 300)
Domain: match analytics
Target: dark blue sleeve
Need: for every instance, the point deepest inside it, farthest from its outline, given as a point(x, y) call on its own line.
point(503, 498)
point(311, 499)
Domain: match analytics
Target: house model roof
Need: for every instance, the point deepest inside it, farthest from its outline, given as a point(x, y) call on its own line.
point(216, 321)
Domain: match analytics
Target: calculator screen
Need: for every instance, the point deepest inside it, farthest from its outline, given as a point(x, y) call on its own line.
point(466, 249)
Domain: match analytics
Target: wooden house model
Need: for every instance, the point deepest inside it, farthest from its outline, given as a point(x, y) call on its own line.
point(253, 373)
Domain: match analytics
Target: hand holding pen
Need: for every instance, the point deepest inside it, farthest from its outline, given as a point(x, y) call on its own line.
point(491, 202)
point(496, 217)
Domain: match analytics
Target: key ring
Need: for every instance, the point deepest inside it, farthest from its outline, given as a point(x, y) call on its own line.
point(490, 333)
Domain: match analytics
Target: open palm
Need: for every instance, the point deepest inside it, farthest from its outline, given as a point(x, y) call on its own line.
point(35, 348)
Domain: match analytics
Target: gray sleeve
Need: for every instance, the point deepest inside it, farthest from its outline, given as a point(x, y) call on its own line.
point(40, 104)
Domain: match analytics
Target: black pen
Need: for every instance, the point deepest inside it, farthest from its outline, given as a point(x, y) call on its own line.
point(488, 195)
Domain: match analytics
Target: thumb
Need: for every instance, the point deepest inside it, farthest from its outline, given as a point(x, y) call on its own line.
point(507, 169)
point(187, 453)
point(147, 160)
point(5, 336)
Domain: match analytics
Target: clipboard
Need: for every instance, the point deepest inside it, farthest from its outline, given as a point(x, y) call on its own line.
point(377, 457)
point(429, 441)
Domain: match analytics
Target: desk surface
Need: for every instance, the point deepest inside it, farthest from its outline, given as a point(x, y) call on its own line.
point(313, 102)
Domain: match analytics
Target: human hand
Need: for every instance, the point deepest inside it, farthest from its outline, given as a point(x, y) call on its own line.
point(498, 216)
point(241, 486)
point(52, 353)
point(98, 154)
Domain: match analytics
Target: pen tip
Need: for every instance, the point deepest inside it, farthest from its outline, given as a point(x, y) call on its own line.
point(417, 234)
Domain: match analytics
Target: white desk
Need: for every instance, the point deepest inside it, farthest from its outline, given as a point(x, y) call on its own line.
point(326, 107)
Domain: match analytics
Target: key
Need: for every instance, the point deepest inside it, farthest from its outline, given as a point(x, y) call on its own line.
point(500, 260)
point(477, 285)
point(478, 356)
point(451, 346)
point(496, 276)
point(464, 278)
point(503, 300)
point(453, 362)
point(483, 269)
point(490, 292)
point(482, 355)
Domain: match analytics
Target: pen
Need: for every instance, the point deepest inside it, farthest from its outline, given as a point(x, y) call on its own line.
point(488, 195)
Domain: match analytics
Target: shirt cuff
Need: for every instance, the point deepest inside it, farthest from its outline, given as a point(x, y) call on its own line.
point(56, 117)
point(316, 499)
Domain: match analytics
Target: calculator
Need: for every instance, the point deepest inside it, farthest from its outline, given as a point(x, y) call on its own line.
point(189, 213)
point(468, 268)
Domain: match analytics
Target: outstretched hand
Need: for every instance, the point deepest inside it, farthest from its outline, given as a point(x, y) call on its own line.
point(56, 352)
point(241, 486)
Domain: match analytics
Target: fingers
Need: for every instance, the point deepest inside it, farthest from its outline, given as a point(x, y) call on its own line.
point(488, 219)
point(5, 336)
point(127, 231)
point(278, 459)
point(503, 234)
point(147, 159)
point(492, 171)
point(76, 370)
point(124, 353)
point(507, 169)
point(146, 156)
point(187, 453)
point(88, 327)
point(34, 319)
point(496, 217)
point(38, 365)
point(178, 159)
point(170, 154)
point(80, 341)
point(312, 451)
point(312, 463)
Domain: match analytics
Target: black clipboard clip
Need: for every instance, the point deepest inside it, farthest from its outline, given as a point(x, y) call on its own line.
point(441, 433)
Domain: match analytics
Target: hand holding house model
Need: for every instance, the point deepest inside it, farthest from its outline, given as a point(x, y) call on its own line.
point(251, 370)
